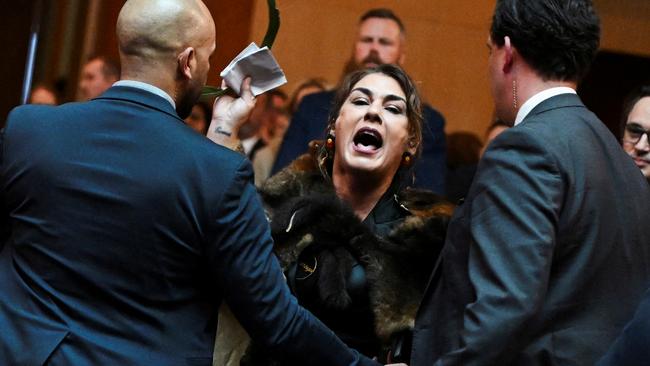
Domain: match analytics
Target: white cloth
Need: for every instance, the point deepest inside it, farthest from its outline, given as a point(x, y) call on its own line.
point(260, 65)
point(249, 143)
point(538, 98)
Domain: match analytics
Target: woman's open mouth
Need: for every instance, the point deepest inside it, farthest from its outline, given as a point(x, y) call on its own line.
point(367, 140)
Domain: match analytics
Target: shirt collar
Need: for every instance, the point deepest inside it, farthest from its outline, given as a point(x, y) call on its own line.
point(147, 87)
point(538, 98)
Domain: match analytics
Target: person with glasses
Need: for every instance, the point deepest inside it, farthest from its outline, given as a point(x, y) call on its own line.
point(636, 129)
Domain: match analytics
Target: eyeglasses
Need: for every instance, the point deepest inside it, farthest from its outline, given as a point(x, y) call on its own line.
point(634, 132)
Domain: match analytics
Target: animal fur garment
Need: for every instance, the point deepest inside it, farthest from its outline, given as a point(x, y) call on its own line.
point(305, 211)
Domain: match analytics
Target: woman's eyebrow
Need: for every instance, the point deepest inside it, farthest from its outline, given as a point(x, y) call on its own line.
point(362, 90)
point(388, 97)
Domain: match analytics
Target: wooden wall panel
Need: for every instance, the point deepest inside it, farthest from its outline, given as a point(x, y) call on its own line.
point(626, 26)
point(446, 50)
point(106, 38)
point(233, 22)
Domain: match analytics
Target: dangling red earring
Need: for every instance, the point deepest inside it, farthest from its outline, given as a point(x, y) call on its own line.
point(407, 160)
point(329, 143)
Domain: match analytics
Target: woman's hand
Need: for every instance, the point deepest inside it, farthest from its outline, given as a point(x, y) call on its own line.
point(229, 114)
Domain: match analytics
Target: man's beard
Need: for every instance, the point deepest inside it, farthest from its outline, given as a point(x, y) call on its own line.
point(372, 58)
point(352, 65)
point(187, 100)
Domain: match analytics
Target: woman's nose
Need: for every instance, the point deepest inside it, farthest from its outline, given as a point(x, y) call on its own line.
point(373, 113)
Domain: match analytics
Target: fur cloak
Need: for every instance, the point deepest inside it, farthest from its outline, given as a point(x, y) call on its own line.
point(304, 211)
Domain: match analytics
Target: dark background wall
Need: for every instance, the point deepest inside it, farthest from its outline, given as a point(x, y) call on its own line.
point(15, 19)
point(611, 78)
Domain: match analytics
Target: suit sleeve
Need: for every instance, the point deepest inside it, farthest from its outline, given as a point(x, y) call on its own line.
point(513, 218)
point(632, 348)
point(4, 215)
point(254, 287)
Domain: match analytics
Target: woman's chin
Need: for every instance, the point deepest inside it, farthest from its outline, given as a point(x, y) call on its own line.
point(369, 165)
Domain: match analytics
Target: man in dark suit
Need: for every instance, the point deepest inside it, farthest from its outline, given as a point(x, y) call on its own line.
point(632, 347)
point(128, 229)
point(381, 40)
point(548, 257)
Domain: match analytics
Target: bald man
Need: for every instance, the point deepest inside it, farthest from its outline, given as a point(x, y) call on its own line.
point(126, 229)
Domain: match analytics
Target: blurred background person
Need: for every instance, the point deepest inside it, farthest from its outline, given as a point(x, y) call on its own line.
point(306, 88)
point(43, 94)
point(464, 150)
point(261, 134)
point(200, 117)
point(492, 132)
point(279, 98)
point(636, 128)
point(97, 75)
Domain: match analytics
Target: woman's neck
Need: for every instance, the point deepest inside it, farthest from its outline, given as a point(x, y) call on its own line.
point(362, 194)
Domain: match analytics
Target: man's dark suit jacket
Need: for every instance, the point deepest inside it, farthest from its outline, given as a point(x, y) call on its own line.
point(127, 231)
point(632, 348)
point(549, 255)
point(310, 121)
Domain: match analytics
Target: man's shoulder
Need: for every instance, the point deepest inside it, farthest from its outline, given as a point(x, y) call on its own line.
point(319, 98)
point(31, 115)
point(432, 116)
point(30, 110)
point(312, 115)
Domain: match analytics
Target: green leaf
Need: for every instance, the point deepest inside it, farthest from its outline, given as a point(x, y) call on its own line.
point(274, 25)
point(212, 91)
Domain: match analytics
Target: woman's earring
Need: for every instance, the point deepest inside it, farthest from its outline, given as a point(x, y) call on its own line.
point(329, 142)
point(407, 159)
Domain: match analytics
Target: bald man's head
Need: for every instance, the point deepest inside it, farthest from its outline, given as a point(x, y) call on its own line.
point(167, 43)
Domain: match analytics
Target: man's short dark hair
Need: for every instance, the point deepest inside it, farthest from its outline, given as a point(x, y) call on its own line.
point(383, 13)
point(110, 68)
point(558, 38)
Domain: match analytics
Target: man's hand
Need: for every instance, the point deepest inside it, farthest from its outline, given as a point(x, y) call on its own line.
point(229, 113)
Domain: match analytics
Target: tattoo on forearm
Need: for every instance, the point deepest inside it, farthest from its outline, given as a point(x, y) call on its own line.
point(222, 131)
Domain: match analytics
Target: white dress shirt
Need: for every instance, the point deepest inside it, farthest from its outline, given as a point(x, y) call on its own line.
point(538, 98)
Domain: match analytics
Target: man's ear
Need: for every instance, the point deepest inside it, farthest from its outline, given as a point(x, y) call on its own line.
point(509, 55)
point(185, 60)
